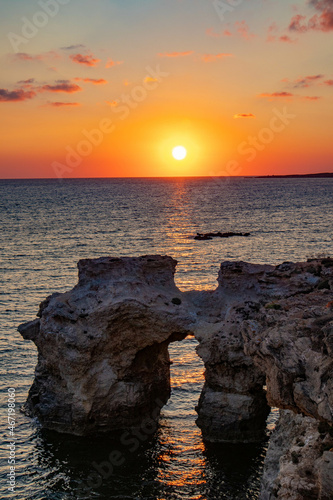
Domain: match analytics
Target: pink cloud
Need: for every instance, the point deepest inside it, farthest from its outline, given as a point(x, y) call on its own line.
point(277, 95)
point(329, 83)
point(244, 31)
point(286, 39)
point(312, 98)
point(272, 35)
point(323, 21)
point(87, 60)
point(110, 63)
point(240, 27)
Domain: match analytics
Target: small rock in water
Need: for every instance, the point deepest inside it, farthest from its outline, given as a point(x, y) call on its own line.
point(209, 236)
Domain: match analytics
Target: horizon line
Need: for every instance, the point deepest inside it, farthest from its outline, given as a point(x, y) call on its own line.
point(313, 174)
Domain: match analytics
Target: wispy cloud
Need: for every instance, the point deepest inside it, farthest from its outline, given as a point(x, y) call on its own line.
point(286, 39)
point(87, 60)
point(277, 95)
point(113, 104)
point(62, 104)
point(16, 95)
point(29, 82)
point(240, 28)
point(288, 95)
point(214, 57)
point(95, 81)
point(61, 86)
point(322, 21)
point(312, 97)
point(328, 82)
point(273, 35)
point(307, 81)
point(244, 115)
point(74, 47)
point(176, 54)
point(44, 56)
point(110, 63)
point(243, 30)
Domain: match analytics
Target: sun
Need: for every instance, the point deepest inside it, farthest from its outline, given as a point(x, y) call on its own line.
point(179, 153)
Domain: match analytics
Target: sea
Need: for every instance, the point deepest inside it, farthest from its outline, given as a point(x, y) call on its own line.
point(47, 226)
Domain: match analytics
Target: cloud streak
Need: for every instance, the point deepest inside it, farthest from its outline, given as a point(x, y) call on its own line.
point(74, 47)
point(244, 115)
point(60, 86)
point(312, 97)
point(87, 60)
point(214, 57)
point(24, 56)
point(307, 81)
point(287, 95)
point(18, 95)
point(277, 95)
point(240, 27)
point(95, 81)
point(63, 104)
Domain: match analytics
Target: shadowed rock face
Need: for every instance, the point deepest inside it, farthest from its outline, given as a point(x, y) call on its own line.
point(103, 358)
point(298, 464)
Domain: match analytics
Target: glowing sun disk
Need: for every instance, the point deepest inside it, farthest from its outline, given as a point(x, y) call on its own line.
point(179, 153)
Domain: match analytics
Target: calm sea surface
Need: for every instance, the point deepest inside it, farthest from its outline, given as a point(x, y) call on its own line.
point(47, 226)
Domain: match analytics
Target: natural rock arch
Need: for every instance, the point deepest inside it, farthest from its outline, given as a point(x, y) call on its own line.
point(103, 359)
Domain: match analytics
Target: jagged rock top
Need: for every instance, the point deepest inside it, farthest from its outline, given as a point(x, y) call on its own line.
point(153, 270)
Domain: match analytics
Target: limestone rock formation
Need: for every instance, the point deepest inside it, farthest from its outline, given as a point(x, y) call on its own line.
point(299, 463)
point(265, 334)
point(103, 359)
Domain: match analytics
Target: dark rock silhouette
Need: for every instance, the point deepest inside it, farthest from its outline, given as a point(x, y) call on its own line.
point(209, 236)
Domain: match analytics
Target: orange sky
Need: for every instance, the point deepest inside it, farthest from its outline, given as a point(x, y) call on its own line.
point(108, 89)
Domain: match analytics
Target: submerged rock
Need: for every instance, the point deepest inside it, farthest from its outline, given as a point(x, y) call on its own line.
point(209, 236)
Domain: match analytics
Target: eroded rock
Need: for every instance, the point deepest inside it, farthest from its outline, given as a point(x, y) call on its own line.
point(103, 347)
point(103, 357)
point(298, 464)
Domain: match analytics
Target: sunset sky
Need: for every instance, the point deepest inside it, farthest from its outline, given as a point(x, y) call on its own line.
point(107, 88)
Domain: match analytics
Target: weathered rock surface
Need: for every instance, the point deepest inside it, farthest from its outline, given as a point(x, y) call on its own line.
point(103, 357)
point(298, 464)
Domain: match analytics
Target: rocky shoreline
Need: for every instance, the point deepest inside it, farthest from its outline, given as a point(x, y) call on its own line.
point(103, 358)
